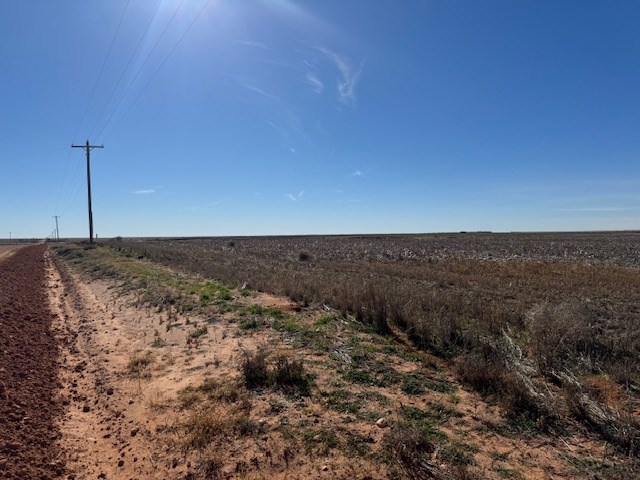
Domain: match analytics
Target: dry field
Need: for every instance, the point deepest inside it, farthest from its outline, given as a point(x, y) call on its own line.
point(435, 356)
point(488, 356)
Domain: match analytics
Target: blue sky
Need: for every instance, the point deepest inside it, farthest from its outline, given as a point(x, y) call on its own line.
point(254, 117)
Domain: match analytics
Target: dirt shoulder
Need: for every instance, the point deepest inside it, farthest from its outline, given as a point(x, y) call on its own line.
point(29, 362)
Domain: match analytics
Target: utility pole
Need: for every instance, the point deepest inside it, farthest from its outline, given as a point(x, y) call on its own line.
point(88, 149)
point(57, 231)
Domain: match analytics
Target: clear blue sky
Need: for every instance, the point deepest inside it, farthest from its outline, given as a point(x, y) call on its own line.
point(332, 116)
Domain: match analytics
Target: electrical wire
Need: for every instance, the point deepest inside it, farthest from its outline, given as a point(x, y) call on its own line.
point(117, 84)
point(93, 91)
point(104, 63)
point(175, 46)
point(166, 27)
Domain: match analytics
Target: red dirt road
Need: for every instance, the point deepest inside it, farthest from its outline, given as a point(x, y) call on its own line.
point(28, 370)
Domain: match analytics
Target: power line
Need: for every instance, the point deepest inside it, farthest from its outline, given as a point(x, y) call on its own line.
point(104, 63)
point(72, 191)
point(117, 84)
point(158, 69)
point(166, 27)
point(86, 108)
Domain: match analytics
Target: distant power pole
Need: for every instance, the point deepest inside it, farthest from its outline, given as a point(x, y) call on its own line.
point(88, 149)
point(57, 231)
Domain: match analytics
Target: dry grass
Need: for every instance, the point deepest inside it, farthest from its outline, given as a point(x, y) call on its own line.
point(514, 330)
point(139, 365)
point(567, 315)
point(260, 369)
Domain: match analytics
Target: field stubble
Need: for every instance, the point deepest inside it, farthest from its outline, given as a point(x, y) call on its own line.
point(544, 326)
point(548, 308)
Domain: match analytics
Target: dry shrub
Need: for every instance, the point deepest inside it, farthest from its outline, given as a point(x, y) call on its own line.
point(559, 333)
point(227, 391)
point(215, 422)
point(204, 427)
point(289, 374)
point(412, 449)
point(282, 372)
point(604, 390)
point(139, 365)
point(487, 370)
point(254, 369)
point(620, 429)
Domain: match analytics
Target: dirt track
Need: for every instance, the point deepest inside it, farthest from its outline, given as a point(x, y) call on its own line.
point(28, 370)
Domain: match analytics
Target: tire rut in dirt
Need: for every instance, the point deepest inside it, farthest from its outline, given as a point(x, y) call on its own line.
point(28, 371)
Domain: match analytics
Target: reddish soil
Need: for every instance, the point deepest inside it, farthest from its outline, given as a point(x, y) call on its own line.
point(29, 411)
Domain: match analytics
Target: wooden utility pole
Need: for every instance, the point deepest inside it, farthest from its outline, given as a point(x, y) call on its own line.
point(88, 149)
point(57, 231)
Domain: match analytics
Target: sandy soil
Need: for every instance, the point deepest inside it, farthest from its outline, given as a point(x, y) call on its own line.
point(110, 429)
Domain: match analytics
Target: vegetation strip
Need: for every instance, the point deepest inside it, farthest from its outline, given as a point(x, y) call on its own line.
point(528, 354)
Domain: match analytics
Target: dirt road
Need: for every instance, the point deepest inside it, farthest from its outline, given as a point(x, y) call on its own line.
point(28, 369)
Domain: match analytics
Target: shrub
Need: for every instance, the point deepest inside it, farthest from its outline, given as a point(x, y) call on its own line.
point(254, 369)
point(138, 366)
point(282, 373)
point(289, 375)
point(198, 332)
point(559, 333)
point(304, 256)
point(412, 448)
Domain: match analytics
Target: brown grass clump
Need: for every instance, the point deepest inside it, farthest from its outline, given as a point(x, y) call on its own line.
point(254, 369)
point(139, 365)
point(220, 408)
point(560, 333)
point(605, 390)
point(412, 449)
point(281, 372)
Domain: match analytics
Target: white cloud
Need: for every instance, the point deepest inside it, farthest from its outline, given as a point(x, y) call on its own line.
point(357, 173)
point(315, 82)
point(259, 91)
point(293, 197)
point(146, 191)
point(349, 76)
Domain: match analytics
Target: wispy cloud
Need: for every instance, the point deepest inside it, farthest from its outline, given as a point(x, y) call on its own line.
point(283, 106)
point(146, 191)
point(349, 76)
point(357, 173)
point(285, 136)
point(293, 197)
point(259, 91)
point(315, 82)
